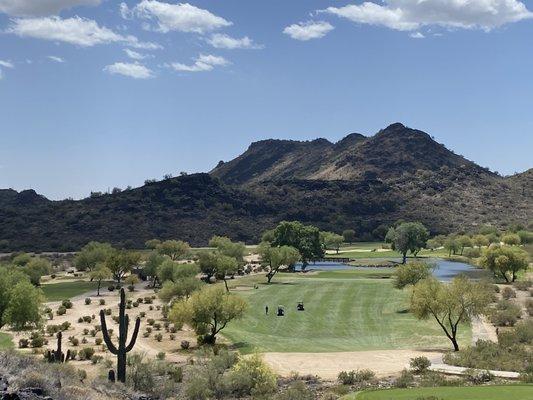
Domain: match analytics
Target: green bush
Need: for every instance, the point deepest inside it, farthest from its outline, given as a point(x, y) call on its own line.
point(102, 302)
point(24, 343)
point(296, 391)
point(505, 313)
point(419, 365)
point(37, 340)
point(251, 376)
point(66, 303)
point(478, 377)
point(61, 310)
point(86, 353)
point(405, 379)
point(88, 301)
point(508, 293)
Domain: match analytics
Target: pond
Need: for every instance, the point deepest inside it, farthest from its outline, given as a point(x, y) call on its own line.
point(444, 270)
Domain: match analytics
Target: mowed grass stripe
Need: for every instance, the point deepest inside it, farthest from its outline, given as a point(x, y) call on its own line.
point(340, 315)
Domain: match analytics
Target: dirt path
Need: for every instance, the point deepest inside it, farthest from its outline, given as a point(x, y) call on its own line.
point(328, 365)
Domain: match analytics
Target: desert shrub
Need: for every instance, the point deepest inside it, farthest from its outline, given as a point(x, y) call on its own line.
point(173, 329)
point(135, 304)
point(111, 288)
point(98, 341)
point(252, 376)
point(435, 379)
point(508, 293)
point(146, 334)
point(157, 326)
point(158, 337)
point(74, 341)
point(353, 377)
point(161, 355)
point(140, 300)
point(185, 344)
point(88, 301)
point(149, 329)
point(151, 308)
point(150, 321)
point(61, 310)
point(67, 303)
point(95, 359)
point(37, 340)
point(505, 313)
point(529, 307)
point(175, 373)
point(523, 285)
point(87, 318)
point(296, 391)
point(85, 331)
point(86, 353)
point(65, 325)
point(92, 332)
point(172, 336)
point(405, 379)
point(108, 311)
point(101, 302)
point(24, 343)
point(142, 314)
point(84, 340)
point(80, 320)
point(148, 300)
point(472, 252)
point(419, 365)
point(478, 377)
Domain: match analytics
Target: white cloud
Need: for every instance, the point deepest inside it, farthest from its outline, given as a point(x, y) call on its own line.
point(6, 64)
point(56, 59)
point(202, 63)
point(182, 17)
point(417, 35)
point(78, 31)
point(223, 41)
point(134, 55)
point(132, 70)
point(27, 8)
point(411, 15)
point(308, 30)
point(1, 75)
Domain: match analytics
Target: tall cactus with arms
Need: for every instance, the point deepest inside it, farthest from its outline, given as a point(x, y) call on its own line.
point(123, 349)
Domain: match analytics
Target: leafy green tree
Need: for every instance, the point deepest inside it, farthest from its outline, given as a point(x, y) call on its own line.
point(504, 261)
point(36, 268)
point(228, 248)
point(121, 262)
point(277, 257)
point(464, 241)
point(480, 241)
point(348, 236)
point(407, 237)
point(167, 269)
point(226, 266)
point(99, 274)
point(21, 259)
point(511, 239)
point(450, 304)
point(152, 244)
point(175, 249)
point(23, 310)
point(92, 254)
point(410, 274)
point(208, 264)
point(304, 238)
point(331, 241)
point(452, 245)
point(208, 311)
point(432, 244)
point(183, 288)
point(9, 278)
point(152, 265)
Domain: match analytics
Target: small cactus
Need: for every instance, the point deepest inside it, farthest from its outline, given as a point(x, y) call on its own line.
point(122, 349)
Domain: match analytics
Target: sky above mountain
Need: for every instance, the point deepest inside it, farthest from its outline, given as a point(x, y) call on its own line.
point(102, 93)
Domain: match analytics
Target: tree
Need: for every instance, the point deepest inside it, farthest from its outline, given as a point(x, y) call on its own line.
point(167, 269)
point(502, 261)
point(411, 274)
point(480, 240)
point(36, 268)
point(450, 304)
point(98, 274)
point(511, 239)
point(121, 262)
point(228, 248)
point(208, 264)
point(304, 238)
point(452, 245)
point(407, 237)
point(208, 311)
point(23, 310)
point(9, 278)
point(182, 282)
point(276, 257)
point(92, 254)
point(21, 259)
point(226, 266)
point(464, 241)
point(175, 249)
point(332, 241)
point(131, 280)
point(152, 265)
point(152, 244)
point(348, 235)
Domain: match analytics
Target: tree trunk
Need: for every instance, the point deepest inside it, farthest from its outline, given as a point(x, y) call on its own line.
point(404, 258)
point(98, 289)
point(455, 344)
point(269, 277)
point(226, 284)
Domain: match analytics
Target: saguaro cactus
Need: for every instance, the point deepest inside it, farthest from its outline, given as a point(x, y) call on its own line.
point(57, 355)
point(122, 349)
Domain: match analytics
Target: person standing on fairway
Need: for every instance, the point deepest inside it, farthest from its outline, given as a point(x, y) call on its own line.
point(266, 310)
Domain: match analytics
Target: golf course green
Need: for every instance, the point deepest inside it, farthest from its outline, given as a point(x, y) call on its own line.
point(515, 392)
point(342, 313)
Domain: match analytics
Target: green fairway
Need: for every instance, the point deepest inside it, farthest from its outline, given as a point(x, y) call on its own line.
point(5, 341)
point(515, 392)
point(342, 313)
point(66, 290)
point(376, 273)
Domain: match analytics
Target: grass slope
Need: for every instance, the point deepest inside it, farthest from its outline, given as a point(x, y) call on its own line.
point(5, 341)
point(340, 315)
point(515, 392)
point(66, 290)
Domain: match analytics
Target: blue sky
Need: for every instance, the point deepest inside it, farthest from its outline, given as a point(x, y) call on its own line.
point(102, 93)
